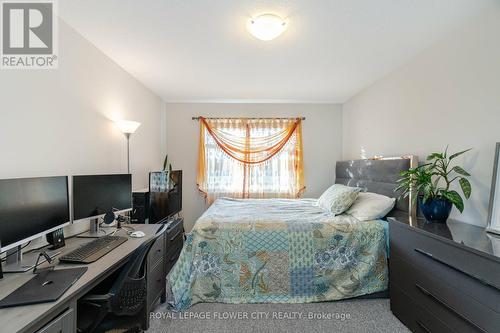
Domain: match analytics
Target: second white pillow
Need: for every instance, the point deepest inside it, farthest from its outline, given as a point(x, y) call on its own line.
point(371, 206)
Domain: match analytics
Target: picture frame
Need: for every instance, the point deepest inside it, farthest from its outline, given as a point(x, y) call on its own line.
point(493, 225)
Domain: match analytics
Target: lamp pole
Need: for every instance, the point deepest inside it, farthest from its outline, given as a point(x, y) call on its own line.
point(127, 135)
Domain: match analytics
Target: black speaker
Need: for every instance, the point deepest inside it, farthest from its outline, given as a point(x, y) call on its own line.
point(109, 218)
point(56, 239)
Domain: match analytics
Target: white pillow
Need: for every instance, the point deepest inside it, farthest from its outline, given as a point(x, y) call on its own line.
point(371, 206)
point(338, 198)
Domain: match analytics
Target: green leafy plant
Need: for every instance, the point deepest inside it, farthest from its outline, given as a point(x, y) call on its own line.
point(433, 179)
point(167, 168)
point(166, 165)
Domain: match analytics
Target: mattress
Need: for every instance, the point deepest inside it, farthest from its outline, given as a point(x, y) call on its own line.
point(278, 251)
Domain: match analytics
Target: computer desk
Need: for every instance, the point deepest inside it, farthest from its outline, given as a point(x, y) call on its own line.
point(61, 315)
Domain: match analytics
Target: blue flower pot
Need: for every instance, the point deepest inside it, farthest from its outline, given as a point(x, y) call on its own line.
point(436, 210)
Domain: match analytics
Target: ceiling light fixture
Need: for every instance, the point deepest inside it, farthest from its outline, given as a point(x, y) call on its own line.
point(267, 26)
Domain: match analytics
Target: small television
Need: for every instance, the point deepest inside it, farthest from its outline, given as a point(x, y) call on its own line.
point(165, 194)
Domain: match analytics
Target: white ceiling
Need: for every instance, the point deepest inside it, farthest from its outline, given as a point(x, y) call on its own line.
point(200, 50)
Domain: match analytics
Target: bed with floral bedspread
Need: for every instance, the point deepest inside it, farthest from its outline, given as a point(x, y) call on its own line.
point(278, 251)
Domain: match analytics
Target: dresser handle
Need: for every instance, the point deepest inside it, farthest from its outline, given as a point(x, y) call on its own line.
point(443, 303)
point(175, 236)
point(431, 256)
point(419, 323)
point(173, 224)
point(176, 254)
point(427, 254)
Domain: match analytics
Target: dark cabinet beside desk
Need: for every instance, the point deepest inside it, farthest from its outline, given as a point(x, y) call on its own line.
point(174, 239)
point(444, 278)
point(161, 259)
point(156, 275)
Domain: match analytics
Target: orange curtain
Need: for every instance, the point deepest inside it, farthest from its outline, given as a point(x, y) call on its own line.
point(246, 158)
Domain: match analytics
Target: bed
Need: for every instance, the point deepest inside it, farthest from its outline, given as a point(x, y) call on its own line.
point(288, 250)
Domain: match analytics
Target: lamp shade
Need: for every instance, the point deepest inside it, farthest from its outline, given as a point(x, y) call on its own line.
point(128, 126)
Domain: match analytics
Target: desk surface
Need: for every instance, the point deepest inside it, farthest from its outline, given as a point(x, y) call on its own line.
point(26, 318)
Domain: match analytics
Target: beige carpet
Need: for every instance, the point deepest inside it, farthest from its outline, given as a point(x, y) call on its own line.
point(343, 316)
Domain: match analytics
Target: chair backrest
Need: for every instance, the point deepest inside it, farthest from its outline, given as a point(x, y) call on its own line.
point(134, 269)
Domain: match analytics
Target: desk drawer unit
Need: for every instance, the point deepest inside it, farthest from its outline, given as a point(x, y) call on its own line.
point(174, 241)
point(157, 252)
point(175, 229)
point(174, 252)
point(458, 287)
point(64, 323)
point(156, 284)
point(156, 274)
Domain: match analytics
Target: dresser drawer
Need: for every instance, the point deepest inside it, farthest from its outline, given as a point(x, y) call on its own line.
point(175, 230)
point(175, 245)
point(157, 252)
point(174, 253)
point(414, 316)
point(432, 291)
point(156, 284)
point(426, 251)
point(64, 323)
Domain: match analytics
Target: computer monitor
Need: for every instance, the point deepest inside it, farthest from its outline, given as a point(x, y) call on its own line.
point(30, 208)
point(96, 195)
point(165, 194)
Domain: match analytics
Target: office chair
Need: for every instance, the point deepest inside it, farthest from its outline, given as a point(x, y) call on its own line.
point(125, 299)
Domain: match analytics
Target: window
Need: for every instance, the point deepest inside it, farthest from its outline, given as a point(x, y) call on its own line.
point(250, 158)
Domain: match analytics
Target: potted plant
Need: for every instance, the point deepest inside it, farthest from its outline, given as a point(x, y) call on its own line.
point(431, 182)
point(167, 170)
point(166, 165)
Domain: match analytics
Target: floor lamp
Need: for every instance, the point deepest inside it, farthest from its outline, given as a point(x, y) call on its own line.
point(128, 128)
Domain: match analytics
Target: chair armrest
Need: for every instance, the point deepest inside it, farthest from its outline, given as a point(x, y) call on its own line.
point(96, 298)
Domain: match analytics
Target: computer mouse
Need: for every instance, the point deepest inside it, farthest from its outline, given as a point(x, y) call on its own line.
point(137, 234)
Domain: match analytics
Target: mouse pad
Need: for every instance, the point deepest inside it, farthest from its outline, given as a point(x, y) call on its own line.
point(44, 287)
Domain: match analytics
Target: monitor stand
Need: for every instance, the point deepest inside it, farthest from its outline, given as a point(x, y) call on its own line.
point(95, 231)
point(17, 262)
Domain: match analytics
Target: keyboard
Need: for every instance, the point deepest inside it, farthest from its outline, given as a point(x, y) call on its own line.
point(93, 250)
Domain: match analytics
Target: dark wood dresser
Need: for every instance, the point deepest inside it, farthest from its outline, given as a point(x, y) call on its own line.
point(174, 241)
point(162, 257)
point(444, 277)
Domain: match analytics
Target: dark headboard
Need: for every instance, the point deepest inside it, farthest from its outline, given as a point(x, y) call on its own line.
point(377, 176)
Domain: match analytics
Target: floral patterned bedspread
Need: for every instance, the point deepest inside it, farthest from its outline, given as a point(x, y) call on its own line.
point(278, 251)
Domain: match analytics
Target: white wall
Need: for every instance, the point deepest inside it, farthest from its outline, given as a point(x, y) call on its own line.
point(322, 135)
point(449, 94)
point(60, 122)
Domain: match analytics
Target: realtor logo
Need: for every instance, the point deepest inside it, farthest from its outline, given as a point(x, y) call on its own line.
point(28, 35)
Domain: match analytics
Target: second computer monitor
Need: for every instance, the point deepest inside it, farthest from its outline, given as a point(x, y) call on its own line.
point(95, 195)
